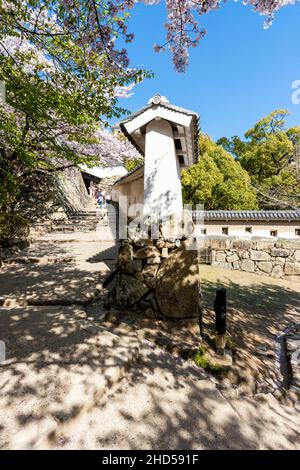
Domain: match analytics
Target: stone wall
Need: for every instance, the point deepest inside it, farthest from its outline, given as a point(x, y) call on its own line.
point(274, 258)
point(71, 193)
point(67, 195)
point(158, 277)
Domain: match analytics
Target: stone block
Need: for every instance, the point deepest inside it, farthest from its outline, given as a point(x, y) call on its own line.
point(177, 292)
point(220, 256)
point(125, 258)
point(150, 270)
point(232, 258)
point(297, 255)
point(222, 264)
point(149, 274)
point(164, 252)
point(139, 276)
point(241, 245)
point(277, 271)
point(144, 304)
point(259, 255)
point(151, 298)
point(137, 265)
point(244, 254)
point(292, 268)
point(282, 252)
point(129, 290)
point(264, 245)
point(150, 282)
point(247, 265)
point(170, 245)
point(155, 260)
point(236, 265)
point(146, 252)
point(279, 261)
point(265, 266)
point(160, 244)
point(220, 243)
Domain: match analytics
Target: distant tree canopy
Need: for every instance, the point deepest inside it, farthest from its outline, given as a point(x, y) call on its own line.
point(217, 180)
point(131, 164)
point(269, 153)
point(61, 87)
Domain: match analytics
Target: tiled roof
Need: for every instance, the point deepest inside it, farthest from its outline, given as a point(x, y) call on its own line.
point(222, 215)
point(131, 172)
point(172, 107)
point(167, 105)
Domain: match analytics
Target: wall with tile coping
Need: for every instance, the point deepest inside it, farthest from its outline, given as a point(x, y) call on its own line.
point(277, 259)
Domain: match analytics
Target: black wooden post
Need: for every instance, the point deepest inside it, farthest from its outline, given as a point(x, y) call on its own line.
point(220, 310)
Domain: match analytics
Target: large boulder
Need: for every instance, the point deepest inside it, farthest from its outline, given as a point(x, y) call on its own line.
point(248, 265)
point(146, 252)
point(125, 258)
point(292, 268)
point(259, 255)
point(178, 292)
point(129, 290)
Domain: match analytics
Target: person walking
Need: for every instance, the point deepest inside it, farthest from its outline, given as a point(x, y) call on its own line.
point(108, 199)
point(100, 199)
point(91, 188)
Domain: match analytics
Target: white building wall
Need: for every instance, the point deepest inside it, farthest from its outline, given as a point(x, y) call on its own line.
point(259, 229)
point(134, 191)
point(162, 185)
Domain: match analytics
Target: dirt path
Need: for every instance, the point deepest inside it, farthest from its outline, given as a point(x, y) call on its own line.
point(58, 269)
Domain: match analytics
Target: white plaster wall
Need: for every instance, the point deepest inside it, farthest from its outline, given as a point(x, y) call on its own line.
point(134, 191)
point(259, 229)
point(162, 185)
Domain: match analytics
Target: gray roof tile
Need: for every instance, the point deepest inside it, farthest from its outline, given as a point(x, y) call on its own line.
point(248, 215)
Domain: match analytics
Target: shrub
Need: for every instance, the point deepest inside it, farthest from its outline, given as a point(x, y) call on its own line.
point(12, 227)
point(199, 357)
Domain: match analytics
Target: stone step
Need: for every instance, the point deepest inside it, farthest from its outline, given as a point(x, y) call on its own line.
point(71, 228)
point(83, 220)
point(87, 213)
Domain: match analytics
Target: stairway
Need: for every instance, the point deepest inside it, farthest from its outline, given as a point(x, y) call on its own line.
point(102, 222)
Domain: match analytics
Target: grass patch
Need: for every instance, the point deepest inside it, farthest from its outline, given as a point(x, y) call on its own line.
point(230, 343)
point(200, 359)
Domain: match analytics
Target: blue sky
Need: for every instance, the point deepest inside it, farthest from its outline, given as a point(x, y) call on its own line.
point(239, 73)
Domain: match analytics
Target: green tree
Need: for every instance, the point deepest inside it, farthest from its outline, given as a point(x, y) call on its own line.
point(217, 180)
point(130, 163)
point(269, 154)
point(61, 85)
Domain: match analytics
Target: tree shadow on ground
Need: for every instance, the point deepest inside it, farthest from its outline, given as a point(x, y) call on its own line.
point(61, 282)
point(57, 363)
point(167, 404)
point(257, 311)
